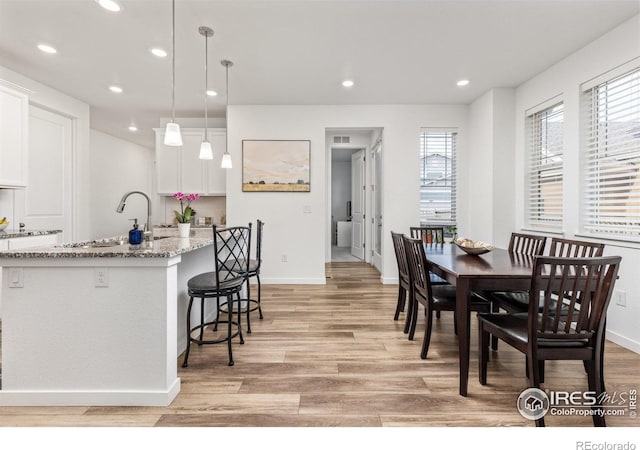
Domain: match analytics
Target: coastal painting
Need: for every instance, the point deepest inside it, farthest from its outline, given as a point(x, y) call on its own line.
point(276, 166)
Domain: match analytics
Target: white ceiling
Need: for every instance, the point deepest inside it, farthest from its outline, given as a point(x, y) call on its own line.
point(291, 52)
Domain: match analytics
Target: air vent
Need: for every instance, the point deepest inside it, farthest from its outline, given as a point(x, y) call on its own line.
point(341, 139)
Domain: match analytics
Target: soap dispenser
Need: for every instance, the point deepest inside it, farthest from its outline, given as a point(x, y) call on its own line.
point(135, 234)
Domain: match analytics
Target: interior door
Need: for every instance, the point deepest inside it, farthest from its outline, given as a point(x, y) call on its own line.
point(46, 202)
point(357, 204)
point(376, 201)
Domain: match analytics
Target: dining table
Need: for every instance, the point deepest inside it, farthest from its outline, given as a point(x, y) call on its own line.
point(496, 270)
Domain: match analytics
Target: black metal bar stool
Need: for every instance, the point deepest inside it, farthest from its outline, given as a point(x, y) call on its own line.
point(231, 247)
point(254, 271)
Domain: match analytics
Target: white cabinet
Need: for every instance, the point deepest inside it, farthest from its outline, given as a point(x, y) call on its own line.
point(4, 244)
point(181, 169)
point(344, 234)
point(14, 119)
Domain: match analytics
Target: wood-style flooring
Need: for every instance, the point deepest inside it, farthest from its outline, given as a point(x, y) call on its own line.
point(332, 355)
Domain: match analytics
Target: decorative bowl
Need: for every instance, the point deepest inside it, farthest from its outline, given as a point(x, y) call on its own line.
point(473, 247)
point(3, 226)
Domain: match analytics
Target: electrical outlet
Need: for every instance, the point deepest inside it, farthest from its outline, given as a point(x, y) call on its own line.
point(621, 298)
point(101, 277)
point(283, 258)
point(16, 277)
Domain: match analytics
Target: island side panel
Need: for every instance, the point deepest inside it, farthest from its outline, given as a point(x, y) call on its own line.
point(66, 341)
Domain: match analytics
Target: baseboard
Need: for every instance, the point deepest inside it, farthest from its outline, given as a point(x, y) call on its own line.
point(293, 280)
point(623, 341)
point(389, 280)
point(90, 398)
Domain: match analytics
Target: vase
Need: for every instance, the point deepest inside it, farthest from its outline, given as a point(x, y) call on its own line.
point(184, 229)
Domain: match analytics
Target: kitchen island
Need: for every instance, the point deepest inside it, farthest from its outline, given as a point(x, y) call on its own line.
point(98, 323)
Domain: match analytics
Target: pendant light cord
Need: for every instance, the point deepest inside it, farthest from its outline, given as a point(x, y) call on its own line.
point(226, 111)
point(173, 63)
point(206, 80)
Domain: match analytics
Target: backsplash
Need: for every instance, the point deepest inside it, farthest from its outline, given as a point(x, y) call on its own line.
point(214, 207)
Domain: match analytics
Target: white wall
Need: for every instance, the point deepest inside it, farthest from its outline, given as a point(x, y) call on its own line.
point(614, 48)
point(118, 166)
point(300, 235)
point(78, 111)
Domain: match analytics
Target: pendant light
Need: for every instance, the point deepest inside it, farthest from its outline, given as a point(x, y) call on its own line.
point(206, 152)
point(226, 158)
point(172, 134)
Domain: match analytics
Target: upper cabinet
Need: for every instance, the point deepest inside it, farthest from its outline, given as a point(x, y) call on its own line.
point(14, 119)
point(180, 169)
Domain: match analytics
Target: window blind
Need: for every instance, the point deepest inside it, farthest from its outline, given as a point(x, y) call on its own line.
point(611, 163)
point(545, 169)
point(438, 176)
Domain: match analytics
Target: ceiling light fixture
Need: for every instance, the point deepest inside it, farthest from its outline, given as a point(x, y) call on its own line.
point(211, 93)
point(206, 152)
point(159, 52)
point(116, 89)
point(133, 128)
point(47, 48)
point(172, 136)
point(347, 83)
point(109, 5)
point(226, 158)
point(462, 83)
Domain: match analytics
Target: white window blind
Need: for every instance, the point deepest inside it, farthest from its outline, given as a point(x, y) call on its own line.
point(611, 178)
point(438, 177)
point(545, 169)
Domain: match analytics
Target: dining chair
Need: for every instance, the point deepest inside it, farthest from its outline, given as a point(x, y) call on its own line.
point(433, 298)
point(231, 265)
point(404, 280)
point(518, 301)
point(520, 245)
point(584, 286)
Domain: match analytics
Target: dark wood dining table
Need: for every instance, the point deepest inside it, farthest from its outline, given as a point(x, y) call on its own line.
point(497, 270)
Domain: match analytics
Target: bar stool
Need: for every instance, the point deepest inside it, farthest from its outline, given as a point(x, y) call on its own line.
point(254, 271)
point(231, 247)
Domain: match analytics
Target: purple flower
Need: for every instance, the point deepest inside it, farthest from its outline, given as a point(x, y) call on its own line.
point(185, 213)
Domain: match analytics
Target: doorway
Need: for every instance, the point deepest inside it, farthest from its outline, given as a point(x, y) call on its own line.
point(354, 167)
point(342, 205)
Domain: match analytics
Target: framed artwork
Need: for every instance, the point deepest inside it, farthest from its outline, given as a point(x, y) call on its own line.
point(276, 166)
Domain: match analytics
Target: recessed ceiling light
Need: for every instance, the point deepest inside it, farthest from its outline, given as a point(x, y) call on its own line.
point(211, 93)
point(47, 48)
point(116, 89)
point(159, 52)
point(109, 5)
point(462, 82)
point(133, 128)
point(347, 83)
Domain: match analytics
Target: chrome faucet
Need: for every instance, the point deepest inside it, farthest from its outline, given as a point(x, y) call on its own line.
point(147, 227)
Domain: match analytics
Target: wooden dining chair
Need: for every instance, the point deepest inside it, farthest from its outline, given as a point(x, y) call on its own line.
point(518, 301)
point(404, 281)
point(433, 298)
point(549, 332)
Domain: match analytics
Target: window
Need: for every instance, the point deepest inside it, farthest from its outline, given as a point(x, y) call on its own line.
point(611, 159)
point(438, 177)
point(544, 169)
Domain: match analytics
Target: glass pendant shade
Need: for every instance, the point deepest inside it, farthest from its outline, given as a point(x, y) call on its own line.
point(172, 135)
point(226, 161)
point(206, 152)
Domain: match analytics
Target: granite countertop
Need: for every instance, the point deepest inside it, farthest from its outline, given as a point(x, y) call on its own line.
point(165, 245)
point(9, 234)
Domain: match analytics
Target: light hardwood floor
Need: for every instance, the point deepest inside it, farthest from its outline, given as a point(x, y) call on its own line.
point(333, 356)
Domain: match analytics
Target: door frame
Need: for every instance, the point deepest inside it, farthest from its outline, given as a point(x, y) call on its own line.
point(376, 133)
point(377, 217)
